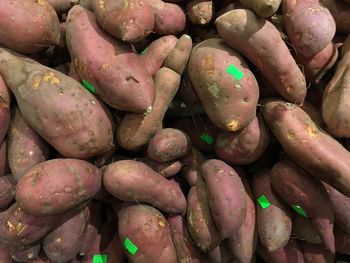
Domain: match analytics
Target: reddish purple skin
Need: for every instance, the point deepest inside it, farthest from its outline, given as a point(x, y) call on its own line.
point(295, 186)
point(274, 222)
point(4, 109)
point(167, 169)
point(116, 72)
point(342, 240)
point(185, 249)
point(57, 185)
point(227, 197)
point(316, 253)
point(5, 254)
point(7, 190)
point(24, 254)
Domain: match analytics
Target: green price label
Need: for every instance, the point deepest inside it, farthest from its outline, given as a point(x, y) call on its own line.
point(207, 138)
point(88, 86)
point(299, 210)
point(144, 51)
point(130, 246)
point(99, 259)
point(263, 202)
point(235, 72)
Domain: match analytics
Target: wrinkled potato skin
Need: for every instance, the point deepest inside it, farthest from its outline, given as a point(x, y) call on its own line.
point(28, 26)
point(57, 185)
point(70, 118)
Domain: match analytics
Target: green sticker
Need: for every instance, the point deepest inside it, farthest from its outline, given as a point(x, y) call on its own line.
point(99, 259)
point(144, 51)
point(207, 138)
point(130, 246)
point(299, 210)
point(235, 72)
point(88, 86)
point(263, 202)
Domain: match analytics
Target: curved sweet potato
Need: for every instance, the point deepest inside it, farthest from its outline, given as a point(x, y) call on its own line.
point(28, 26)
point(129, 21)
point(261, 42)
point(57, 185)
point(114, 70)
point(131, 180)
point(224, 84)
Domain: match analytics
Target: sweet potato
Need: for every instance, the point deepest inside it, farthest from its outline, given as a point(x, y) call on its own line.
point(297, 188)
point(314, 253)
point(145, 228)
point(136, 130)
point(155, 54)
point(167, 169)
point(7, 190)
point(304, 230)
point(186, 251)
point(264, 8)
point(129, 21)
point(200, 12)
point(130, 180)
point(29, 26)
point(169, 18)
point(57, 185)
point(201, 226)
point(342, 240)
point(314, 150)
point(258, 40)
point(226, 194)
point(69, 118)
point(26, 148)
point(25, 253)
point(168, 144)
point(305, 33)
point(4, 109)
point(191, 165)
point(274, 220)
point(341, 207)
point(243, 243)
point(291, 252)
point(222, 79)
point(335, 96)
point(340, 13)
point(245, 146)
point(63, 243)
point(114, 70)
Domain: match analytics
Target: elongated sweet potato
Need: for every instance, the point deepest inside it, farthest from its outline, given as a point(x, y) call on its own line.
point(243, 243)
point(129, 21)
point(115, 72)
point(200, 12)
point(245, 146)
point(297, 188)
point(69, 118)
point(131, 180)
point(29, 26)
point(260, 42)
point(7, 190)
point(264, 8)
point(307, 145)
point(136, 130)
point(341, 207)
point(201, 226)
point(26, 148)
point(57, 185)
point(155, 54)
point(305, 33)
point(25, 253)
point(227, 198)
point(224, 84)
point(63, 243)
point(4, 109)
point(168, 144)
point(314, 253)
point(304, 230)
point(186, 251)
point(291, 252)
point(273, 216)
point(145, 234)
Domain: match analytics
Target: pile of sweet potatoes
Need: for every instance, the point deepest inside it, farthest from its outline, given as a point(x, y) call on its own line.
point(174, 131)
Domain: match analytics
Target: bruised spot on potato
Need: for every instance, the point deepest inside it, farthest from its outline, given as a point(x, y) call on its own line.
point(233, 125)
point(101, 5)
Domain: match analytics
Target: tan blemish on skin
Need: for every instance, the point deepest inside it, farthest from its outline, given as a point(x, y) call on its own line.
point(233, 125)
point(290, 135)
point(12, 18)
point(20, 228)
point(101, 5)
point(41, 2)
point(312, 130)
point(51, 77)
point(214, 89)
point(161, 223)
point(36, 82)
point(58, 240)
point(290, 89)
point(10, 226)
